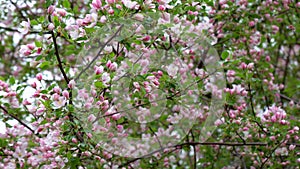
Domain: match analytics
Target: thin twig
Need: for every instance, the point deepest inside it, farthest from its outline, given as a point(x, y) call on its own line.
point(98, 54)
point(19, 120)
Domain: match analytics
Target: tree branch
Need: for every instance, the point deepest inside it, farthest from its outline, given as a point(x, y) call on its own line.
point(179, 146)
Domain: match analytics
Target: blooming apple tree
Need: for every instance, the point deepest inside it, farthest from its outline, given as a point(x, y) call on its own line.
point(150, 84)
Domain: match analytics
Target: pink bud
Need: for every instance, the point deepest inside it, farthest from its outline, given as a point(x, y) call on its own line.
point(220, 35)
point(108, 64)
point(113, 66)
point(244, 93)
point(227, 90)
point(89, 135)
point(26, 102)
point(99, 70)
point(71, 84)
point(118, 6)
point(31, 46)
point(275, 28)
point(33, 85)
point(147, 38)
point(161, 8)
point(51, 9)
point(292, 147)
point(66, 94)
point(50, 26)
point(245, 129)
point(251, 23)
point(56, 90)
point(176, 19)
point(39, 50)
point(250, 66)
point(119, 128)
point(39, 77)
point(273, 138)
point(243, 65)
point(190, 12)
point(116, 116)
point(61, 12)
point(74, 140)
point(111, 11)
point(281, 86)
point(268, 59)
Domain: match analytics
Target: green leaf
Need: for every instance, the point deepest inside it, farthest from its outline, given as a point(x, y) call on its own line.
point(56, 21)
point(41, 19)
point(48, 3)
point(225, 54)
point(12, 81)
point(99, 84)
point(38, 58)
point(34, 22)
point(66, 4)
point(38, 44)
point(44, 65)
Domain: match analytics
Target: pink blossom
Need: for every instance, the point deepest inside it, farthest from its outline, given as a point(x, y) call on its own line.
point(166, 16)
point(231, 73)
point(99, 70)
point(91, 118)
point(105, 78)
point(61, 12)
point(25, 50)
point(96, 4)
point(138, 17)
point(218, 122)
point(129, 4)
point(55, 96)
point(59, 103)
point(25, 27)
point(103, 19)
point(110, 1)
point(275, 29)
point(172, 70)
